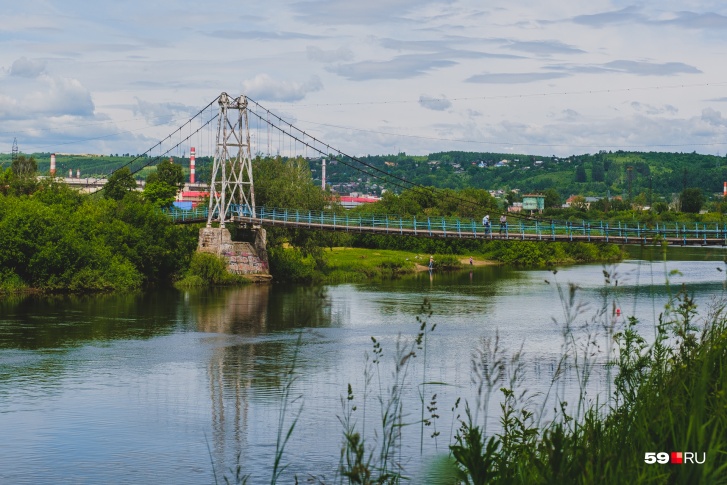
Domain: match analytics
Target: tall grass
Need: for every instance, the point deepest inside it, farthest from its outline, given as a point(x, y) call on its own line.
point(669, 396)
point(666, 396)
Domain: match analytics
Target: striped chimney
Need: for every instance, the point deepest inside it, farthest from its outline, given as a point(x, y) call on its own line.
point(724, 192)
point(52, 164)
point(191, 165)
point(323, 174)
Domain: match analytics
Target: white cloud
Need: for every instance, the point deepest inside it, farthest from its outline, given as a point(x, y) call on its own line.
point(329, 56)
point(156, 113)
point(48, 97)
point(436, 104)
point(514, 77)
point(713, 117)
point(25, 67)
point(264, 88)
point(569, 74)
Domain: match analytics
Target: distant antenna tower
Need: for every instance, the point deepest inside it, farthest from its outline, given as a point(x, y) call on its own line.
point(15, 150)
point(231, 182)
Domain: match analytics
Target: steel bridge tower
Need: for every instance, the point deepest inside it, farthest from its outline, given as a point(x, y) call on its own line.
point(231, 187)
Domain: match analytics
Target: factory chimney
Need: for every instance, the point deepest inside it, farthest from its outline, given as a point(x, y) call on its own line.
point(323, 175)
point(191, 164)
point(52, 164)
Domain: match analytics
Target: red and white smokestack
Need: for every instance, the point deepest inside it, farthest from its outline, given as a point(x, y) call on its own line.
point(78, 173)
point(52, 164)
point(724, 192)
point(191, 165)
point(323, 175)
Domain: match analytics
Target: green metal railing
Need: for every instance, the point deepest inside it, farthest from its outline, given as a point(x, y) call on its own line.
point(530, 229)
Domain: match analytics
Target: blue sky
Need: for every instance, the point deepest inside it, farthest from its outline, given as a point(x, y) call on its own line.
point(371, 77)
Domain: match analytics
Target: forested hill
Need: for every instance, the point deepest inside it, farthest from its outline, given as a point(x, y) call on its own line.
point(598, 174)
point(614, 173)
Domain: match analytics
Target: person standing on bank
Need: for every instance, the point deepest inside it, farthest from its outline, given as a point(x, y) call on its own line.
point(503, 223)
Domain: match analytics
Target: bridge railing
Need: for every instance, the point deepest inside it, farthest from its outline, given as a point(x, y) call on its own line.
point(522, 228)
point(455, 227)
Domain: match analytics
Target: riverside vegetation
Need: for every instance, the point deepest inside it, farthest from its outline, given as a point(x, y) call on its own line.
point(664, 396)
point(55, 239)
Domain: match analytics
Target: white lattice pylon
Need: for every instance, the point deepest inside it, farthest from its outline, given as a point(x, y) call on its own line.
point(231, 187)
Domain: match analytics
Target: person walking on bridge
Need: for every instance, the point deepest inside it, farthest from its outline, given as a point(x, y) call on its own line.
point(486, 223)
point(503, 223)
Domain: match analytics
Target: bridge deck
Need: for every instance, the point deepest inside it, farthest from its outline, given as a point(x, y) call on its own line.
point(692, 234)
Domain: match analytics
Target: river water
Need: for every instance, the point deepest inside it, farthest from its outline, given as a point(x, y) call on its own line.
point(173, 386)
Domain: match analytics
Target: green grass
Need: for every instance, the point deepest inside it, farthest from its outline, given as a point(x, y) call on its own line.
point(356, 264)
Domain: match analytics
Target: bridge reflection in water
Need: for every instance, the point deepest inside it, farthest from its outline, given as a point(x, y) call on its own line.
point(249, 361)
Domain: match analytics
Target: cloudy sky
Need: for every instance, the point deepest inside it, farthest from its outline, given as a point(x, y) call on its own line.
point(371, 77)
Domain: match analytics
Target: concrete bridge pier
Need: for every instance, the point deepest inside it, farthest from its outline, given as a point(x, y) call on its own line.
point(248, 258)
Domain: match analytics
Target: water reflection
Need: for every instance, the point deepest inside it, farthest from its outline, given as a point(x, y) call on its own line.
point(252, 366)
point(170, 372)
point(36, 322)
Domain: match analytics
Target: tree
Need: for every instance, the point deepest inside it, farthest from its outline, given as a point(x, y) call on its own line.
point(162, 186)
point(691, 200)
point(120, 183)
point(579, 202)
point(552, 198)
point(160, 194)
point(24, 167)
point(512, 197)
point(597, 172)
point(23, 179)
point(168, 173)
point(581, 173)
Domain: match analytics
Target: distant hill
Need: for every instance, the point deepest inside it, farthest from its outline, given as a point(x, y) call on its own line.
point(616, 173)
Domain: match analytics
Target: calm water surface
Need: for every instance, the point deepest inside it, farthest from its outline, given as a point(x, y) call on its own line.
point(155, 387)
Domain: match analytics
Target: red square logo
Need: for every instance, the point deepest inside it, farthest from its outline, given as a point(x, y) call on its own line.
point(676, 458)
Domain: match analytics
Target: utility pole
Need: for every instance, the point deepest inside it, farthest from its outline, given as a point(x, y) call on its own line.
point(14, 154)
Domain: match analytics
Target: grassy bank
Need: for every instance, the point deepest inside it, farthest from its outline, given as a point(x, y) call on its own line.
point(390, 257)
point(345, 265)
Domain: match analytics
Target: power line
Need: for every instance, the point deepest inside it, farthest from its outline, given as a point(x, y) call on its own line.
point(514, 96)
point(509, 143)
point(400, 182)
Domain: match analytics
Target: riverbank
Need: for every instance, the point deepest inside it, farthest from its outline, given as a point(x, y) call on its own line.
point(352, 264)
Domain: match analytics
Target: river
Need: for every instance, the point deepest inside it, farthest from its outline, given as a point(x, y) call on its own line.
point(172, 386)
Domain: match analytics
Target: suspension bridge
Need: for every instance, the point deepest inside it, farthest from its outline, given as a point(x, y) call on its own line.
point(244, 127)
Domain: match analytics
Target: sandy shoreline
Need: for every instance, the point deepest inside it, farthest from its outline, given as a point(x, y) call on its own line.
point(465, 263)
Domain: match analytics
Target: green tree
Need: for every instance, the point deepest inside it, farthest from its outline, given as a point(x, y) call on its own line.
point(581, 173)
point(598, 173)
point(169, 173)
point(160, 194)
point(120, 183)
point(24, 166)
point(691, 200)
point(286, 183)
point(24, 175)
point(163, 185)
point(552, 198)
